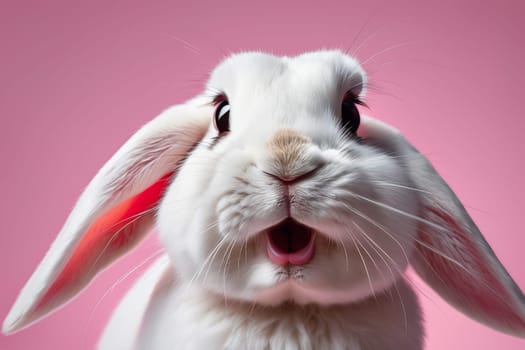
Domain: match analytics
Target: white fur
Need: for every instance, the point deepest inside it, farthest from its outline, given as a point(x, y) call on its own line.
point(179, 316)
point(376, 205)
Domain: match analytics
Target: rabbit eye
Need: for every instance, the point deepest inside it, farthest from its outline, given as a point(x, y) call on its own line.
point(222, 117)
point(350, 114)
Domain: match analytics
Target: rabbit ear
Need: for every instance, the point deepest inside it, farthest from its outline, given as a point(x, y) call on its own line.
point(114, 212)
point(451, 254)
point(455, 260)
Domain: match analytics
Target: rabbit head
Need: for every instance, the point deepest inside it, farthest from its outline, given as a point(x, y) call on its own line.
point(270, 187)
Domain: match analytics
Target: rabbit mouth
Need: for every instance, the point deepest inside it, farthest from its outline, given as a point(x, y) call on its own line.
point(290, 242)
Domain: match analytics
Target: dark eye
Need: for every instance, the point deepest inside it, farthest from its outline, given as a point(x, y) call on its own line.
point(222, 117)
point(349, 113)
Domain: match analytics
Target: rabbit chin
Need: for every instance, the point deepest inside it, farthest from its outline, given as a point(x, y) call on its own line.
point(295, 292)
point(299, 285)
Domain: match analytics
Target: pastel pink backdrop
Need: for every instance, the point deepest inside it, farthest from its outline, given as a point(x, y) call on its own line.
point(78, 79)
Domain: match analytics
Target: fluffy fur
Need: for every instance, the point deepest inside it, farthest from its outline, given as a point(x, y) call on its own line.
point(374, 204)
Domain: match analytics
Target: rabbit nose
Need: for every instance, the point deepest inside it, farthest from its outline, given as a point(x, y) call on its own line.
point(290, 179)
point(289, 159)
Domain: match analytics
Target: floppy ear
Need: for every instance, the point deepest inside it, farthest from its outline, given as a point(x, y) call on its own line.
point(113, 213)
point(451, 254)
point(457, 262)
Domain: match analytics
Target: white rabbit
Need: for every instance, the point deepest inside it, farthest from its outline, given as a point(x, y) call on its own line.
point(288, 222)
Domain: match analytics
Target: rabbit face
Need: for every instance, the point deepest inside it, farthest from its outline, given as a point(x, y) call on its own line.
point(289, 203)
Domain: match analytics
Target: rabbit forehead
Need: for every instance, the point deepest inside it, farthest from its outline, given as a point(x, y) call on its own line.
point(260, 85)
point(253, 73)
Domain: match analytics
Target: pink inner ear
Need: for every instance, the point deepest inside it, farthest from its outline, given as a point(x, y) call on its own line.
point(110, 236)
point(479, 289)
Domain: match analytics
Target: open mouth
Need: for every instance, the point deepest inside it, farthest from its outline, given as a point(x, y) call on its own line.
point(290, 242)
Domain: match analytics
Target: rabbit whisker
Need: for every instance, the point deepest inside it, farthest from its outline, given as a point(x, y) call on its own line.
point(384, 183)
point(244, 251)
point(390, 48)
point(380, 253)
point(382, 228)
point(423, 244)
point(225, 263)
point(438, 252)
point(433, 249)
point(368, 240)
point(185, 44)
point(378, 89)
point(400, 212)
point(207, 262)
point(353, 52)
point(346, 253)
point(371, 259)
point(354, 240)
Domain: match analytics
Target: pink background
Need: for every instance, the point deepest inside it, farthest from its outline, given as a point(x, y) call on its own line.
point(78, 79)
